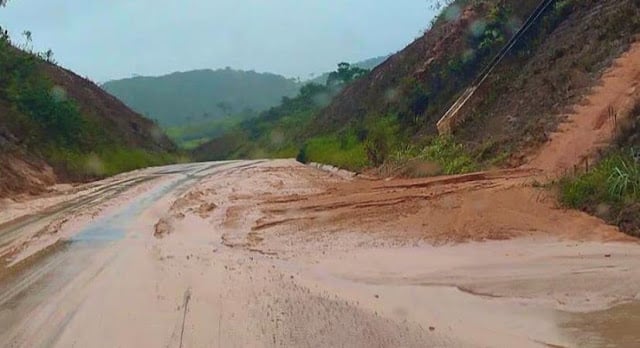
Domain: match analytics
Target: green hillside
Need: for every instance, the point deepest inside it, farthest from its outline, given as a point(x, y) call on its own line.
point(388, 117)
point(197, 106)
point(56, 126)
point(280, 131)
point(201, 96)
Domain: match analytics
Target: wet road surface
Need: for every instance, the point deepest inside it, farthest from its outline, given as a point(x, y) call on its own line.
point(275, 254)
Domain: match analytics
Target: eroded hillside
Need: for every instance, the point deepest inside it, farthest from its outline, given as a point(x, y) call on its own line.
point(556, 62)
point(56, 126)
point(391, 113)
point(525, 100)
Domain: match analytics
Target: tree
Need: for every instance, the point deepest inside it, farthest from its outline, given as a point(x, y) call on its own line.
point(28, 37)
point(345, 74)
point(437, 5)
point(48, 56)
point(4, 35)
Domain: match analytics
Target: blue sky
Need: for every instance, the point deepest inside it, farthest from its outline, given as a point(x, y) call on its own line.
point(112, 39)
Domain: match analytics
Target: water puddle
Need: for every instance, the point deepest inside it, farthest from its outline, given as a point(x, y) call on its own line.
point(112, 228)
point(11, 229)
point(27, 284)
point(618, 327)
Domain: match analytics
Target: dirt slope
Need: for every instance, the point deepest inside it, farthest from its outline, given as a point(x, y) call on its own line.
point(553, 67)
point(425, 64)
point(23, 170)
point(19, 174)
point(592, 125)
point(124, 124)
point(524, 101)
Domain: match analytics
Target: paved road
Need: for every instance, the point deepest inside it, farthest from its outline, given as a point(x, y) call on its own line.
point(272, 253)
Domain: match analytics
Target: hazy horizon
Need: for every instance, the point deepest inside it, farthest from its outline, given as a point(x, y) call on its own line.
point(119, 39)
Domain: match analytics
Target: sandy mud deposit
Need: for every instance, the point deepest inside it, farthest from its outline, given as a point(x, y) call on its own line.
point(278, 254)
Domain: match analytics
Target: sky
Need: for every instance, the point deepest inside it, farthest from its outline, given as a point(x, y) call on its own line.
point(110, 39)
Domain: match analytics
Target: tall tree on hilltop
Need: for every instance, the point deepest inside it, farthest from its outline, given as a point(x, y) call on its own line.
point(345, 74)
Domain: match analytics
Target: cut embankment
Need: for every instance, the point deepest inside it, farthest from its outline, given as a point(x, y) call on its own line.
point(592, 125)
point(17, 174)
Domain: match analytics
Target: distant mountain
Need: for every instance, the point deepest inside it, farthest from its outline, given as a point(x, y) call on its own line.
point(365, 64)
point(200, 96)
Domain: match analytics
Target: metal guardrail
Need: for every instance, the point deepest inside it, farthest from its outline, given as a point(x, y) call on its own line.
point(451, 118)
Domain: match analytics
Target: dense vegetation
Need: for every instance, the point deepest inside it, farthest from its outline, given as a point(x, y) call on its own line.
point(39, 118)
point(201, 95)
point(282, 131)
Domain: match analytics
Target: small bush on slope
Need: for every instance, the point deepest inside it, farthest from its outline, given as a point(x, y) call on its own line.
point(451, 156)
point(611, 190)
point(109, 161)
point(382, 137)
point(441, 155)
point(615, 180)
point(341, 151)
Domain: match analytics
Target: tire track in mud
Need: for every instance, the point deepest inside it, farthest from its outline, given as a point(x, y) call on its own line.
point(369, 202)
point(185, 305)
point(10, 230)
point(54, 274)
point(276, 288)
point(58, 214)
point(63, 261)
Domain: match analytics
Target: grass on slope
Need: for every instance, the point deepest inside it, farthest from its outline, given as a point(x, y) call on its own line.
point(611, 190)
point(191, 136)
point(344, 152)
point(47, 123)
point(615, 180)
point(108, 162)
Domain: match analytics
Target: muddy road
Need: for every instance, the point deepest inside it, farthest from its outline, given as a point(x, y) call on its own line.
point(277, 254)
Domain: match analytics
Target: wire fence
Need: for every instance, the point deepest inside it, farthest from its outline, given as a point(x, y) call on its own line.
point(451, 117)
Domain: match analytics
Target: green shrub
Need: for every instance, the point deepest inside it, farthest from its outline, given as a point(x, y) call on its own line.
point(615, 181)
point(382, 138)
point(288, 151)
point(302, 155)
point(441, 155)
point(449, 155)
point(107, 162)
point(344, 152)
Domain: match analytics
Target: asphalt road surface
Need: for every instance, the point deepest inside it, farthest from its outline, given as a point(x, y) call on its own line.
point(277, 254)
